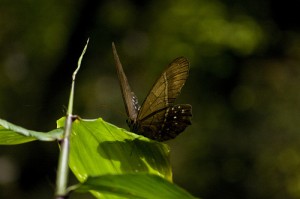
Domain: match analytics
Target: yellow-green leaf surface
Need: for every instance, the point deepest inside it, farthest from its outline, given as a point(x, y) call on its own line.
point(99, 148)
point(12, 134)
point(135, 186)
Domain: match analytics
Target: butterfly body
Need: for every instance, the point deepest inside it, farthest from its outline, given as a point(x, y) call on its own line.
point(158, 118)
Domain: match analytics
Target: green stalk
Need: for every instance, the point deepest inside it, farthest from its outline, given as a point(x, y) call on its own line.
point(63, 168)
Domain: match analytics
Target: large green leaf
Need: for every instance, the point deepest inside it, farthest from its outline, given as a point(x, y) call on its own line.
point(139, 185)
point(99, 148)
point(12, 134)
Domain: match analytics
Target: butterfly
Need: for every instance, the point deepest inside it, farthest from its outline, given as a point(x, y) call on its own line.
point(157, 118)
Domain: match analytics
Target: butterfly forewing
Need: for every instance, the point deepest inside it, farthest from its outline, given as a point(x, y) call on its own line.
point(166, 89)
point(130, 100)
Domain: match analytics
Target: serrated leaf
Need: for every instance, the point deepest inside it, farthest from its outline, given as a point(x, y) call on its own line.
point(12, 134)
point(139, 185)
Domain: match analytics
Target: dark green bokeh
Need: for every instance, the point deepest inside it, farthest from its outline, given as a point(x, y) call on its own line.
point(243, 85)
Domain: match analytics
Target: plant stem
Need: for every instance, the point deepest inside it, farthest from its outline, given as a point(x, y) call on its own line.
point(63, 168)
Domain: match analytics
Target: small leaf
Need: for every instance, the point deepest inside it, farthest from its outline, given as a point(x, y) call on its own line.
point(134, 186)
point(12, 134)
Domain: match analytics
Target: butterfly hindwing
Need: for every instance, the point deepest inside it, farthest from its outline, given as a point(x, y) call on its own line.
point(167, 123)
point(177, 118)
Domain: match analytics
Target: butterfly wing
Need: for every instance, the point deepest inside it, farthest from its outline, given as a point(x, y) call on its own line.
point(167, 123)
point(158, 118)
point(129, 98)
point(166, 89)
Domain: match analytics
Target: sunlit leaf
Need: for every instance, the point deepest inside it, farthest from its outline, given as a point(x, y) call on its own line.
point(99, 148)
point(12, 134)
point(134, 186)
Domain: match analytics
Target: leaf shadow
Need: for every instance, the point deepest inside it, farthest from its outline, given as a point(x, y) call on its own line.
point(136, 155)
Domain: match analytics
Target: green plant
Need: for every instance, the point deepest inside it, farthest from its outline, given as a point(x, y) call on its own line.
point(108, 161)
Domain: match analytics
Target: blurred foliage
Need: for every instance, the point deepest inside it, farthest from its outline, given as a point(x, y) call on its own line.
point(243, 85)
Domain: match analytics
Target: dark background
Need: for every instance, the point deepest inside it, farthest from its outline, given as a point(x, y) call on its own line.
point(244, 86)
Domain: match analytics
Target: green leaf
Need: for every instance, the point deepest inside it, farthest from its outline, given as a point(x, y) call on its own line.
point(134, 186)
point(99, 148)
point(12, 134)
